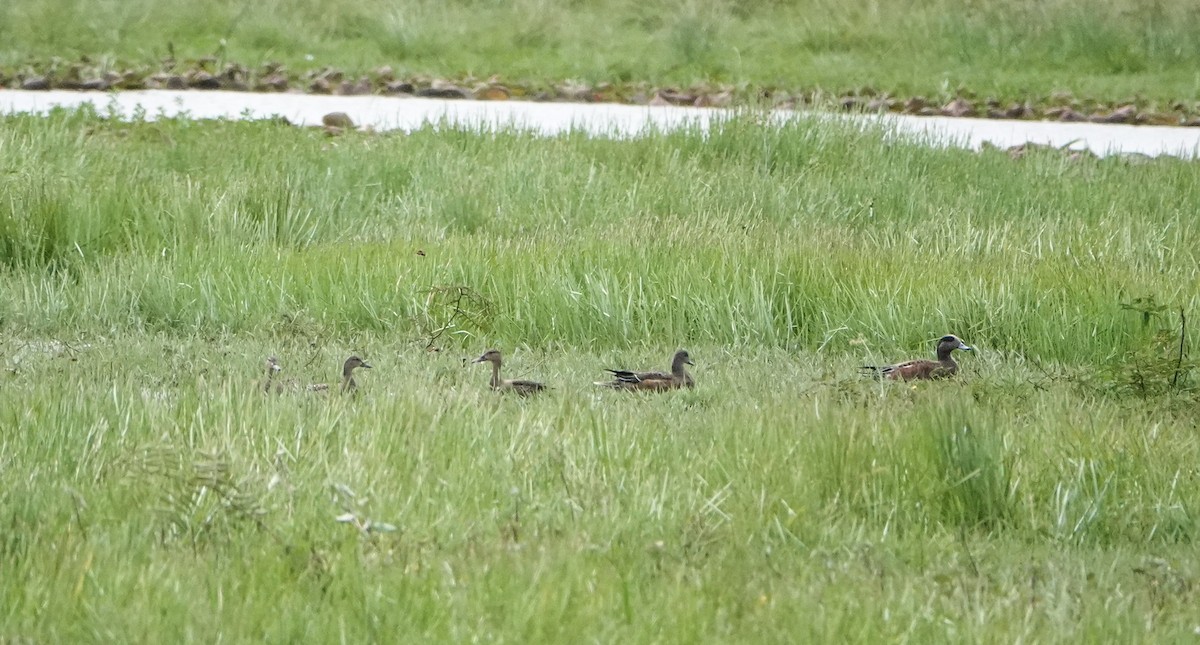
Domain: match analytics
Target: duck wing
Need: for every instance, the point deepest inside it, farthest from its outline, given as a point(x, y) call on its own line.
point(650, 381)
point(525, 388)
point(626, 376)
point(921, 369)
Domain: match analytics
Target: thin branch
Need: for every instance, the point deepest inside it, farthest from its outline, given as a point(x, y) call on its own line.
point(1182, 337)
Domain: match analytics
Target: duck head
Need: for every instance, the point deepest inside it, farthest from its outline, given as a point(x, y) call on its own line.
point(949, 343)
point(354, 362)
point(490, 356)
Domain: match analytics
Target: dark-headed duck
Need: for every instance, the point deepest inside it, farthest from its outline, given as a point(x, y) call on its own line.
point(923, 368)
point(654, 381)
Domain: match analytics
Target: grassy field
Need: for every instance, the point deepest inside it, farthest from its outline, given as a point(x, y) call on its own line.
point(149, 492)
point(1111, 50)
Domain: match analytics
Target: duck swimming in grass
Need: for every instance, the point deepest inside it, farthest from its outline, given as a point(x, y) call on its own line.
point(273, 384)
point(270, 384)
point(923, 368)
point(522, 387)
point(348, 384)
point(654, 381)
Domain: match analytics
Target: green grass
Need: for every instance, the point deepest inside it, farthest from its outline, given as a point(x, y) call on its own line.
point(150, 492)
point(1109, 50)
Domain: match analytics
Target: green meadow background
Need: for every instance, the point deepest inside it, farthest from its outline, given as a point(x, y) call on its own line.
point(150, 491)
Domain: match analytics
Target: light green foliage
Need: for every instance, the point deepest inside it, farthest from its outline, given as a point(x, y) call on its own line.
point(149, 491)
point(1111, 50)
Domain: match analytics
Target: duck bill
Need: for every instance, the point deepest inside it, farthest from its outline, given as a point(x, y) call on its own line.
point(965, 347)
point(481, 359)
point(366, 365)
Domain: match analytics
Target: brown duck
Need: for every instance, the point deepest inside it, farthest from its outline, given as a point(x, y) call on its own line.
point(276, 385)
point(522, 387)
point(654, 381)
point(348, 384)
point(923, 368)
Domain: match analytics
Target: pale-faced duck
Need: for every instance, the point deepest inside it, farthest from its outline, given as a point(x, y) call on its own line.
point(270, 384)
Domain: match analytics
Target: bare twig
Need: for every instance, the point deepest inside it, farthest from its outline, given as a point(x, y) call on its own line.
point(1182, 337)
point(463, 303)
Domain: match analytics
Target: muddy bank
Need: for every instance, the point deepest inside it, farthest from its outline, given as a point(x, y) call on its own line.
point(210, 74)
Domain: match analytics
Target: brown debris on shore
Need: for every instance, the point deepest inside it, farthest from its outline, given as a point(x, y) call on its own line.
point(209, 74)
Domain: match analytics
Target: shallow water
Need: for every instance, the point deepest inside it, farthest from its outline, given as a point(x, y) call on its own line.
point(388, 113)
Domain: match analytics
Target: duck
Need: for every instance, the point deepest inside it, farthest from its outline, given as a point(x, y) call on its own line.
point(276, 385)
point(923, 368)
point(654, 381)
point(270, 384)
point(521, 387)
point(348, 384)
